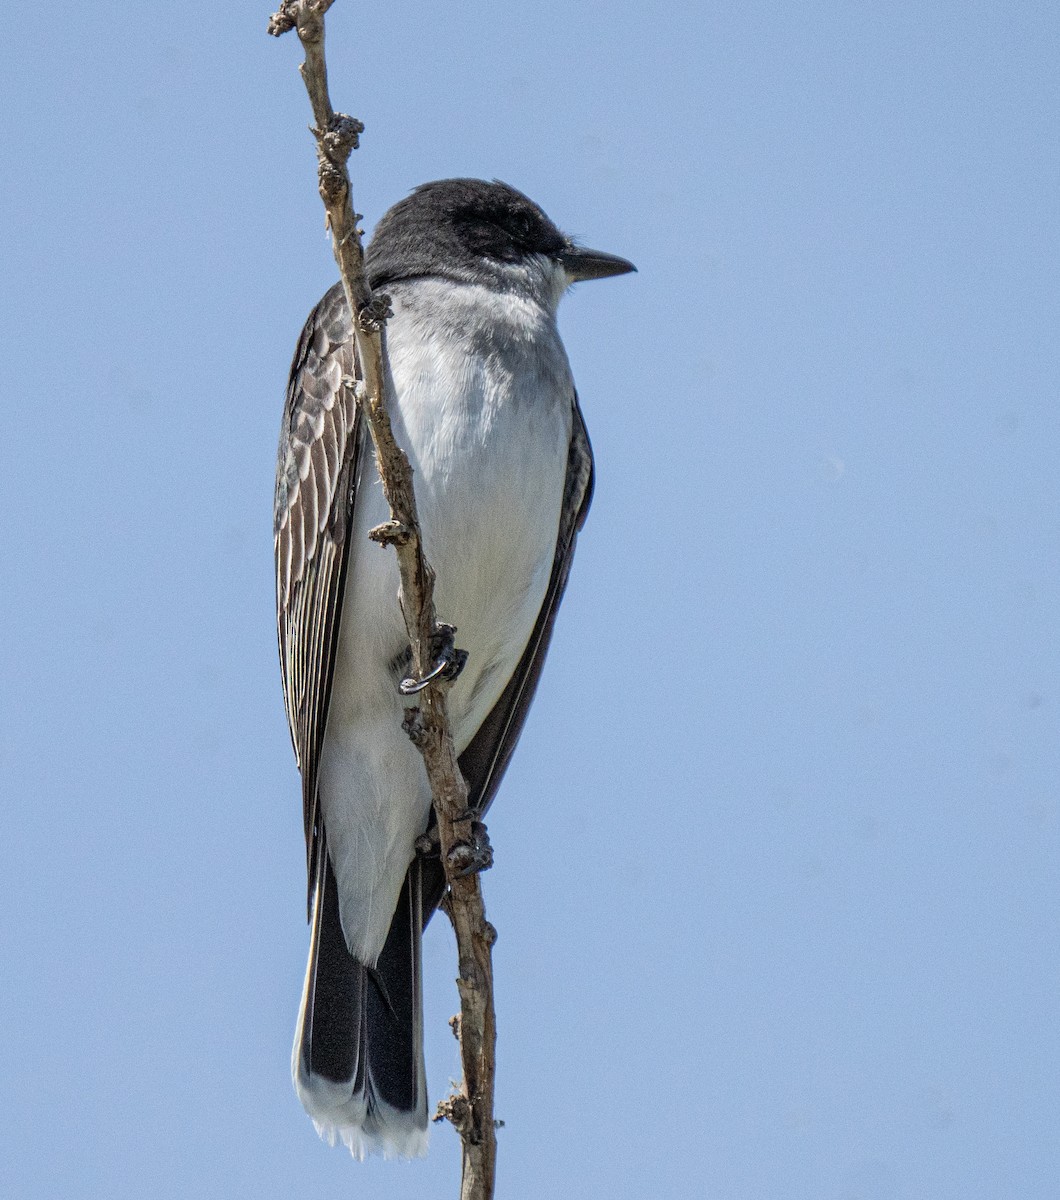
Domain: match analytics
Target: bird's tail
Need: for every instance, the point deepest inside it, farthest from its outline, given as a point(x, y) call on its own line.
point(358, 1049)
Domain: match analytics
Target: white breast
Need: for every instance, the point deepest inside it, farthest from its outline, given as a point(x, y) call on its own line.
point(482, 402)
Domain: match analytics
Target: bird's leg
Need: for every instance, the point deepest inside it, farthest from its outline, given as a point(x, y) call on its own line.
point(448, 661)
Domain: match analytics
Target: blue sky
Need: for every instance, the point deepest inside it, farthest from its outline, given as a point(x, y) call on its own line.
point(777, 872)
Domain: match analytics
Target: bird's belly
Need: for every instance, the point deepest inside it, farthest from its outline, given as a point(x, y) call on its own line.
point(489, 469)
point(490, 534)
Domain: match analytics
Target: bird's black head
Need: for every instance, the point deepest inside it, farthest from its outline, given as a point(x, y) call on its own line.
point(473, 231)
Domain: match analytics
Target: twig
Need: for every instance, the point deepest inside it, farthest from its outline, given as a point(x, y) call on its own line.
point(471, 1110)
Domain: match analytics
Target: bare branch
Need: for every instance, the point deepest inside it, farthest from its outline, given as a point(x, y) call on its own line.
point(471, 1111)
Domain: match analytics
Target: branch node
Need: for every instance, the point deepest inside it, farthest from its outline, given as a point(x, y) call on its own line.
point(357, 386)
point(341, 137)
point(456, 1109)
point(391, 533)
point(332, 182)
point(283, 21)
point(415, 726)
point(373, 316)
point(427, 843)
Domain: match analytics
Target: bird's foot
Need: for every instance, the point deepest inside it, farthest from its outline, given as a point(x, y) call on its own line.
point(476, 854)
point(468, 855)
point(448, 661)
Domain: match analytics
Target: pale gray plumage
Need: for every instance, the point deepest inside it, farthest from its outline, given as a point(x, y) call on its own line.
point(481, 398)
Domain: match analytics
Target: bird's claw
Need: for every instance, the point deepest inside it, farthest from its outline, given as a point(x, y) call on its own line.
point(466, 858)
point(448, 662)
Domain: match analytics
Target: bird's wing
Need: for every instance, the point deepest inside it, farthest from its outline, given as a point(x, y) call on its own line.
point(316, 481)
point(486, 757)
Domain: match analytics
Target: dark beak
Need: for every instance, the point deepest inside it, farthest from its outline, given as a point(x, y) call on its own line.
point(580, 264)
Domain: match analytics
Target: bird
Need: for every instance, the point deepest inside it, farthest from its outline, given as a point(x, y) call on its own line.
point(481, 398)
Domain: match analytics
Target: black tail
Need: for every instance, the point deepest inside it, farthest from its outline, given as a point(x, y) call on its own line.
point(358, 1050)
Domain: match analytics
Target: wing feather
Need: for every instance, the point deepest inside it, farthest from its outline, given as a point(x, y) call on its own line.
point(315, 488)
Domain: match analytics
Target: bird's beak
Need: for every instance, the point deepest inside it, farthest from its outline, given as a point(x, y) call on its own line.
point(581, 264)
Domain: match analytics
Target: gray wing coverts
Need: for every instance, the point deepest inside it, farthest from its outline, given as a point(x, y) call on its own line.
point(315, 490)
point(315, 484)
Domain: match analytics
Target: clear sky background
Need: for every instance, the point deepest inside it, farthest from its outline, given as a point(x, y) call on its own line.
point(777, 872)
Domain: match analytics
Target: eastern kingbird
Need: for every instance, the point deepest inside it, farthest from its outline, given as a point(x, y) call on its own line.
point(481, 398)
